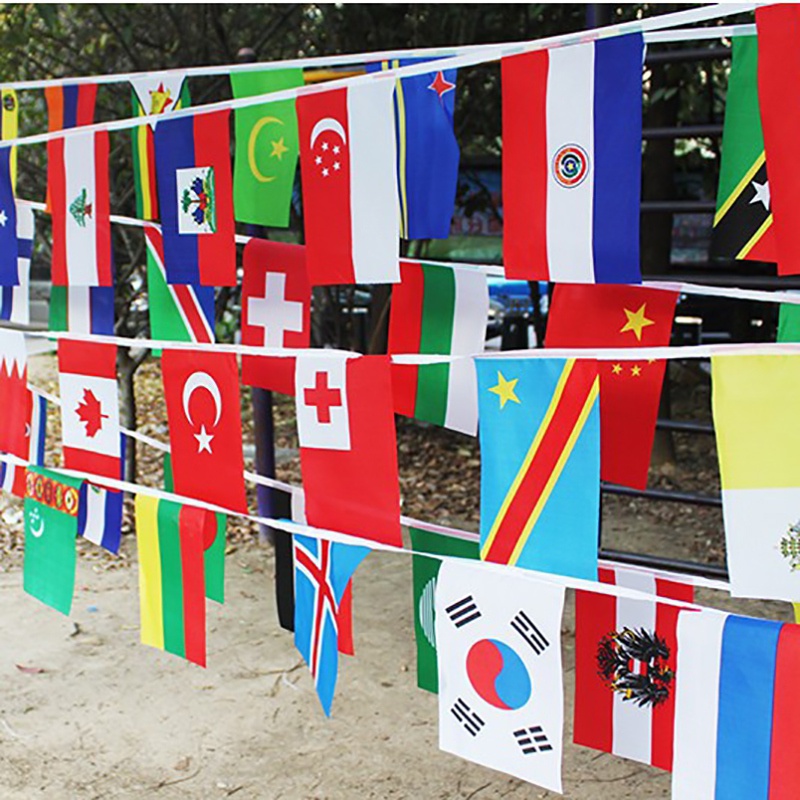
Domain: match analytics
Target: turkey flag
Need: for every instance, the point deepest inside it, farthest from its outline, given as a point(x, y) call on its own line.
point(205, 426)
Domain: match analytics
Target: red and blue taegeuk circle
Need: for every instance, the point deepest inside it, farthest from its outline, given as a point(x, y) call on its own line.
point(498, 674)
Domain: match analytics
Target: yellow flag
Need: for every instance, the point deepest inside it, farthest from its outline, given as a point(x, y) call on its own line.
point(9, 126)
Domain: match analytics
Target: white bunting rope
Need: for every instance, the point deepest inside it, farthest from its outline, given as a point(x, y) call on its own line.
point(490, 53)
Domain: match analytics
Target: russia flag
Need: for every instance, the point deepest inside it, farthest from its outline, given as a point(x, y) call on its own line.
point(572, 153)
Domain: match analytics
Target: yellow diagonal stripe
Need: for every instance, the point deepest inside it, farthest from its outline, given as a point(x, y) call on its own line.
point(748, 176)
point(755, 237)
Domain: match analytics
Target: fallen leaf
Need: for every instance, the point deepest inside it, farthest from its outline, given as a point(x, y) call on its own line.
point(30, 670)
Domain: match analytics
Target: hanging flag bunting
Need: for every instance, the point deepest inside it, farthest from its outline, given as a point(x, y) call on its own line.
point(427, 149)
point(15, 303)
point(438, 310)
point(178, 312)
point(9, 126)
point(540, 464)
point(14, 395)
point(70, 105)
point(205, 426)
point(9, 241)
point(12, 476)
point(347, 162)
point(759, 474)
point(572, 162)
point(87, 380)
point(156, 93)
point(323, 571)
point(276, 307)
point(779, 67)
point(171, 539)
point(730, 731)
point(267, 148)
point(51, 514)
point(100, 516)
point(743, 220)
point(193, 171)
point(82, 309)
point(625, 660)
point(425, 572)
point(619, 316)
point(77, 180)
point(348, 446)
point(501, 695)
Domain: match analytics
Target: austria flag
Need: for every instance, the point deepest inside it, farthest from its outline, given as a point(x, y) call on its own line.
point(625, 664)
point(348, 166)
point(14, 395)
point(572, 153)
point(77, 178)
point(348, 449)
point(195, 198)
point(87, 379)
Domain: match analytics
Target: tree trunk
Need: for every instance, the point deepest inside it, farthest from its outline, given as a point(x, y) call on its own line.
point(127, 366)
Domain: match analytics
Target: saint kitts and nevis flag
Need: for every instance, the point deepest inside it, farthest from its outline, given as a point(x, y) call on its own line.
point(743, 219)
point(572, 160)
point(625, 667)
point(540, 463)
point(195, 188)
point(737, 709)
point(348, 169)
point(619, 316)
point(438, 310)
point(152, 94)
point(267, 148)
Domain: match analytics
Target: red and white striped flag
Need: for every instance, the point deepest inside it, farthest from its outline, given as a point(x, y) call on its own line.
point(350, 205)
point(77, 177)
point(625, 662)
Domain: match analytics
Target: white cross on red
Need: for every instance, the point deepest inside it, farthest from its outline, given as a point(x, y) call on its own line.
point(273, 312)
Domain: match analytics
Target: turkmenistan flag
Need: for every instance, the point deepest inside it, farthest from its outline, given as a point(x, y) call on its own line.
point(51, 525)
point(438, 310)
point(743, 221)
point(266, 149)
point(426, 571)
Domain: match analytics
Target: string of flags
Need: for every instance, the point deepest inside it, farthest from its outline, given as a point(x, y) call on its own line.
point(659, 679)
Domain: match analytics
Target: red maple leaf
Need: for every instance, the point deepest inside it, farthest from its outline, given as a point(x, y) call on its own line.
point(90, 413)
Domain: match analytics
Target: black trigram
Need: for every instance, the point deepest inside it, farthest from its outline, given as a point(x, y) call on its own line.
point(532, 740)
point(463, 611)
point(523, 625)
point(467, 717)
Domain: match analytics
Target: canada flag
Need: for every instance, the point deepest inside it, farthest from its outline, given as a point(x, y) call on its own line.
point(87, 379)
point(14, 398)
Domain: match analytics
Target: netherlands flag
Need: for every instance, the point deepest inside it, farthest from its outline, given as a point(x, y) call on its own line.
point(572, 153)
point(737, 712)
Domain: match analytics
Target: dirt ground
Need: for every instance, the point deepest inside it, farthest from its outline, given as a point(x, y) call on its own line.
point(89, 712)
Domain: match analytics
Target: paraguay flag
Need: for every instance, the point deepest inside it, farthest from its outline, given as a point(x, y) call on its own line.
point(572, 153)
point(195, 197)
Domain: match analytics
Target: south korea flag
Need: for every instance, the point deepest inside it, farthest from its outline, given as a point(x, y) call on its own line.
point(501, 695)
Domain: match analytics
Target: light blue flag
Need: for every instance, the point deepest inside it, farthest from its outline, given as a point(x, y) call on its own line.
point(540, 463)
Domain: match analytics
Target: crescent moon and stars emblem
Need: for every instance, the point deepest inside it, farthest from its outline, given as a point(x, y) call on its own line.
point(278, 148)
point(329, 155)
point(35, 523)
point(202, 380)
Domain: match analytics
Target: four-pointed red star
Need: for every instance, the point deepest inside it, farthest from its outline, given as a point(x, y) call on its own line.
point(441, 85)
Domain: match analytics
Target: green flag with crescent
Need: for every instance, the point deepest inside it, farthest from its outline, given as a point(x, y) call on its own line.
point(266, 149)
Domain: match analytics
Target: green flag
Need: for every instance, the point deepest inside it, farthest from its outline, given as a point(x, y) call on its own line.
point(425, 572)
point(51, 525)
point(789, 323)
point(743, 220)
point(266, 149)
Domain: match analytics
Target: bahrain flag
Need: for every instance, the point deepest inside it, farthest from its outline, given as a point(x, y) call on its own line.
point(14, 398)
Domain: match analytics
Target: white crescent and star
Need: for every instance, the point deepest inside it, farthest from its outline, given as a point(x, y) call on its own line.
point(36, 531)
point(202, 380)
point(328, 124)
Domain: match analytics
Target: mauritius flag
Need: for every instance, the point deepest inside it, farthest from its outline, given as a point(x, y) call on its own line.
point(438, 310)
point(195, 191)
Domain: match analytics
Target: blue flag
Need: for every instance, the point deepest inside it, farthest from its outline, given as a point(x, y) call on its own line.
point(540, 464)
point(427, 150)
point(9, 246)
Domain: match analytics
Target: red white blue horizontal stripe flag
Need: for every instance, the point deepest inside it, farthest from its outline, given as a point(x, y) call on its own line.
point(572, 143)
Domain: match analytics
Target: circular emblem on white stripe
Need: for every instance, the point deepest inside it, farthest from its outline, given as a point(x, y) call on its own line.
point(426, 620)
point(570, 165)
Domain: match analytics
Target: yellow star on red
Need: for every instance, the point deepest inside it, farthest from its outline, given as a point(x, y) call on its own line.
point(636, 322)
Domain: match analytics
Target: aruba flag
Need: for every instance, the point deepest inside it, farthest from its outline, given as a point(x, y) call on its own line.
point(572, 162)
point(539, 428)
point(195, 191)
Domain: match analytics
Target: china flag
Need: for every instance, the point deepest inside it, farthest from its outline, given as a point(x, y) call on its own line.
point(205, 426)
point(348, 449)
point(619, 316)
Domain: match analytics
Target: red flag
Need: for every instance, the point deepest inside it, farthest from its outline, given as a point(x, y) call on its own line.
point(778, 68)
point(205, 426)
point(14, 398)
point(348, 449)
point(276, 307)
point(619, 316)
point(625, 704)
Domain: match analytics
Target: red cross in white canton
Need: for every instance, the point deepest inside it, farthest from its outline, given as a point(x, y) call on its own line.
point(322, 397)
point(318, 571)
point(441, 85)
